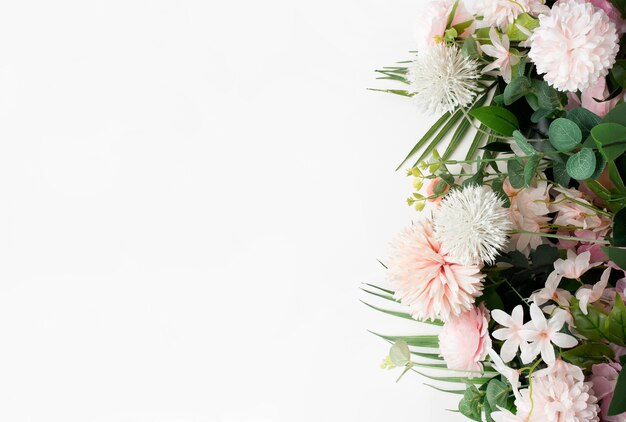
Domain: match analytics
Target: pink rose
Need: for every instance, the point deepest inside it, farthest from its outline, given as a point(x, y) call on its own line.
point(604, 378)
point(464, 340)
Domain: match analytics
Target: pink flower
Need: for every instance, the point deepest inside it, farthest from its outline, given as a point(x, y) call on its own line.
point(529, 212)
point(427, 280)
point(575, 265)
point(590, 294)
point(611, 12)
point(502, 13)
point(604, 378)
point(464, 340)
point(551, 292)
point(574, 210)
point(434, 24)
point(574, 45)
point(499, 49)
point(599, 90)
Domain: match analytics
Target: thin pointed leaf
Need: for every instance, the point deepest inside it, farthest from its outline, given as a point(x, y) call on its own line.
point(391, 292)
point(464, 380)
point(390, 312)
point(429, 341)
point(384, 296)
point(478, 138)
point(442, 134)
point(461, 131)
point(429, 134)
point(443, 390)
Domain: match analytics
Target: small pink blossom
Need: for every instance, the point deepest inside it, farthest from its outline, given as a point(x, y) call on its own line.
point(574, 210)
point(464, 340)
point(528, 212)
point(575, 265)
point(604, 378)
point(551, 292)
point(499, 49)
point(587, 295)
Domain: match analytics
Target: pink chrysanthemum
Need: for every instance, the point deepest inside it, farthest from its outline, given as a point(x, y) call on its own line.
point(429, 281)
point(559, 393)
point(574, 45)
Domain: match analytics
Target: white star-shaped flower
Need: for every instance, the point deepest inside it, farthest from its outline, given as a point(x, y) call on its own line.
point(542, 334)
point(587, 295)
point(511, 334)
point(499, 49)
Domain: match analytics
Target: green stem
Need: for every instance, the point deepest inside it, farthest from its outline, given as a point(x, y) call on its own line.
point(558, 236)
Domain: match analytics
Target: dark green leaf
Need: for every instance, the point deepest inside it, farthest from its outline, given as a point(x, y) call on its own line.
point(523, 143)
point(497, 393)
point(498, 147)
point(619, 72)
point(619, 228)
point(600, 165)
point(585, 119)
point(547, 97)
point(516, 174)
point(582, 165)
point(617, 255)
point(497, 118)
point(618, 404)
point(611, 139)
point(560, 173)
point(516, 89)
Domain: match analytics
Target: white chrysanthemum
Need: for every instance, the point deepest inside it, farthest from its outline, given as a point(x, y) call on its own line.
point(502, 13)
point(559, 393)
point(442, 79)
point(472, 225)
point(574, 45)
point(427, 280)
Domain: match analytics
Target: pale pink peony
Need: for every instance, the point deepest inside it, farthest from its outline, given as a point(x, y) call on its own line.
point(604, 377)
point(574, 45)
point(559, 394)
point(529, 212)
point(464, 341)
point(433, 26)
point(427, 279)
point(502, 13)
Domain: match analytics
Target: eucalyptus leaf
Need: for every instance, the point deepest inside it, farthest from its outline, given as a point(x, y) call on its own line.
point(471, 403)
point(565, 135)
point(585, 119)
point(582, 165)
point(515, 172)
point(516, 89)
point(530, 169)
point(399, 353)
point(523, 143)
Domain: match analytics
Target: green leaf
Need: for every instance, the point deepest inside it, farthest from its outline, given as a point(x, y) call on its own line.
point(617, 255)
point(524, 20)
point(390, 312)
point(560, 173)
point(497, 393)
point(600, 165)
point(439, 137)
point(611, 139)
point(497, 118)
point(399, 353)
point(565, 135)
point(616, 323)
point(523, 143)
point(478, 138)
point(498, 146)
point(547, 97)
point(461, 131)
point(471, 404)
point(588, 354)
point(516, 89)
point(618, 404)
point(582, 165)
point(619, 72)
point(539, 114)
point(617, 115)
point(585, 119)
point(470, 48)
point(531, 168)
point(590, 325)
point(516, 174)
point(429, 134)
point(431, 341)
point(619, 228)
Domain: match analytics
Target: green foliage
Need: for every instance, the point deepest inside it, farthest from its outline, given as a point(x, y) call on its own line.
point(515, 171)
point(617, 255)
point(472, 402)
point(516, 89)
point(620, 5)
point(619, 228)
point(523, 20)
point(582, 165)
point(588, 354)
point(497, 118)
point(615, 327)
point(523, 143)
point(618, 404)
point(530, 169)
point(565, 135)
point(590, 325)
point(399, 353)
point(610, 139)
point(585, 119)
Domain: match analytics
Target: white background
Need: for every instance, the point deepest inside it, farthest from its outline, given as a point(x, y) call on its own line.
point(190, 194)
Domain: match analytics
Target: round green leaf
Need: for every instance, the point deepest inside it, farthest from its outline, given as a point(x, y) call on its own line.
point(565, 135)
point(400, 354)
point(582, 165)
point(516, 89)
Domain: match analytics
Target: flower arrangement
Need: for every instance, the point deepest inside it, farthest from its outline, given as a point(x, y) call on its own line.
point(517, 257)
